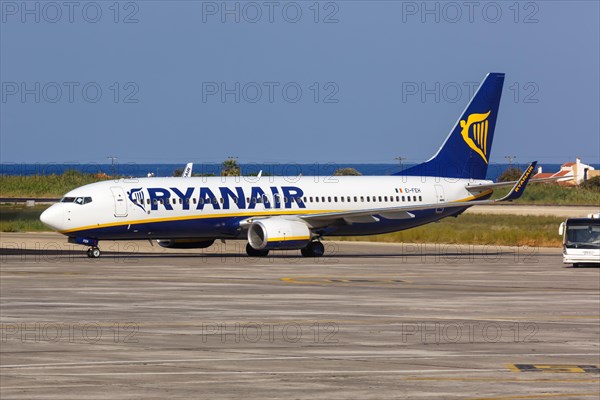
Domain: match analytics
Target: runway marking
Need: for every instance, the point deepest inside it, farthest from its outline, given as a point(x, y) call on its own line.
point(555, 368)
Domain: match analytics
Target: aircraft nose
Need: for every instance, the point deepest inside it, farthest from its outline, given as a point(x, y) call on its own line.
point(53, 217)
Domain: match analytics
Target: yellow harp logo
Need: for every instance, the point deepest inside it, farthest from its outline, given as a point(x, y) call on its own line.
point(474, 133)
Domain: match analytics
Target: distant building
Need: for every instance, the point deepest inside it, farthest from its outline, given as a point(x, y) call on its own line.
point(571, 173)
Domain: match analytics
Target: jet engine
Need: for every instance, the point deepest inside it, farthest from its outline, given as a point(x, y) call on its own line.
point(278, 234)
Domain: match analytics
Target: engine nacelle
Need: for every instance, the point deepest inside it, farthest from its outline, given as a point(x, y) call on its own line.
point(278, 234)
point(185, 243)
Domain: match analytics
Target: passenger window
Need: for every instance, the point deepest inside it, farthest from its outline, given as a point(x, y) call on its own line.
point(316, 199)
point(385, 198)
point(201, 201)
point(362, 199)
point(194, 200)
point(414, 198)
point(323, 199)
point(154, 202)
point(420, 198)
point(335, 199)
point(397, 198)
point(355, 199)
point(311, 199)
point(348, 199)
point(407, 198)
point(403, 198)
point(342, 199)
point(368, 199)
point(380, 198)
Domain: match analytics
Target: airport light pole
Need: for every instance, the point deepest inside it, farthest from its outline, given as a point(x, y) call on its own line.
point(400, 159)
point(510, 160)
point(112, 165)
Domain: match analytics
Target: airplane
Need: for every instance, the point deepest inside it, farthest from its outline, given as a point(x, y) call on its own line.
point(293, 213)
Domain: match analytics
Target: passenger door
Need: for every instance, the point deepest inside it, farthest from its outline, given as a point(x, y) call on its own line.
point(120, 201)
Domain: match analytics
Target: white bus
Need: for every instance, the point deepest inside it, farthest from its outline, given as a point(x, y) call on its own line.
point(581, 240)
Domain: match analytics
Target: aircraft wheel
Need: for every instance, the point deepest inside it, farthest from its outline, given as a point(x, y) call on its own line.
point(252, 252)
point(313, 249)
point(93, 252)
point(89, 252)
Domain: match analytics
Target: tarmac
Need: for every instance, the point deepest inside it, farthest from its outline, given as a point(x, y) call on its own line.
point(368, 321)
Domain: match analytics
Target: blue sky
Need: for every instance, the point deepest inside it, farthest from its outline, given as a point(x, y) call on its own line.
point(339, 81)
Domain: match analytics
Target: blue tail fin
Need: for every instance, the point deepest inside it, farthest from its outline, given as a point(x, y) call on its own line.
point(467, 149)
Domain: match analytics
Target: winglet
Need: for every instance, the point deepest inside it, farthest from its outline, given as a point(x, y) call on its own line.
point(519, 187)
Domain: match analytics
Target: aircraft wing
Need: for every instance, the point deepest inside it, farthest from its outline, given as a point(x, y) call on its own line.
point(404, 212)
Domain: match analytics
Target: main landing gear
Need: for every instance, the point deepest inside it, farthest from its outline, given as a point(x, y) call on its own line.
point(93, 252)
point(252, 252)
point(313, 249)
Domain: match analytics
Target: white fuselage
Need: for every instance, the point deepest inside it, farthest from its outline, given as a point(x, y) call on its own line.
point(216, 207)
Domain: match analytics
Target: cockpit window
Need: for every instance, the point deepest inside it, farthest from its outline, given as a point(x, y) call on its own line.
point(76, 200)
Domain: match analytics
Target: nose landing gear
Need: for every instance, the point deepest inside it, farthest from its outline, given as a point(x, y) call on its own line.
point(93, 252)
